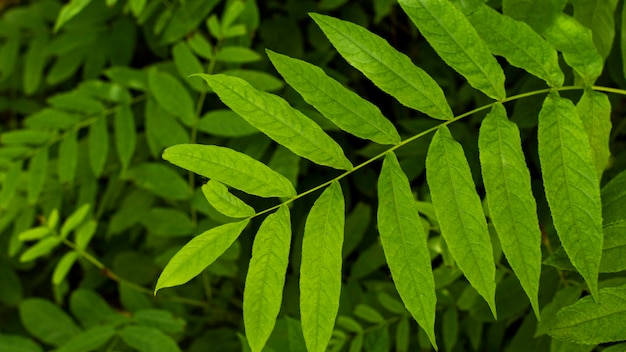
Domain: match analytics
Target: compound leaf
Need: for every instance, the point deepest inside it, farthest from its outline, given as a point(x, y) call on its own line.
point(273, 116)
point(460, 213)
point(390, 70)
point(571, 185)
point(199, 253)
point(404, 243)
point(343, 107)
point(518, 43)
point(320, 271)
point(452, 36)
point(225, 202)
point(512, 207)
point(230, 167)
point(263, 292)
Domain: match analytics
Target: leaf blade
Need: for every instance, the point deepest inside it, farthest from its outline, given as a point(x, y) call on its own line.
point(512, 207)
point(395, 74)
point(227, 166)
point(571, 185)
point(262, 296)
point(343, 107)
point(226, 203)
point(459, 212)
point(273, 116)
point(199, 253)
point(125, 135)
point(455, 40)
point(404, 244)
point(320, 271)
point(594, 109)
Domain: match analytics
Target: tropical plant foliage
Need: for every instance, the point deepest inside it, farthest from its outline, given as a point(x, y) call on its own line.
point(164, 190)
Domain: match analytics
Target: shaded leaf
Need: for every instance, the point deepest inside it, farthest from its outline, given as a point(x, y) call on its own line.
point(320, 271)
point(199, 253)
point(187, 64)
point(392, 71)
point(10, 183)
point(147, 339)
point(263, 291)
point(172, 96)
point(231, 168)
point(46, 321)
point(163, 320)
point(37, 174)
point(460, 214)
point(571, 185)
point(67, 160)
point(273, 116)
point(18, 343)
point(404, 242)
point(125, 134)
point(161, 180)
point(512, 207)
point(455, 40)
point(225, 123)
point(594, 110)
point(98, 145)
point(68, 11)
point(598, 15)
point(89, 340)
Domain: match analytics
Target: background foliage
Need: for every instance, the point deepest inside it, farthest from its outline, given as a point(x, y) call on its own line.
point(94, 92)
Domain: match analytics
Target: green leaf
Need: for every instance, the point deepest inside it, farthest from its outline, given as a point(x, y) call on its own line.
point(369, 314)
point(518, 43)
point(343, 107)
point(460, 213)
point(237, 54)
point(161, 319)
point(90, 308)
point(68, 11)
point(226, 203)
point(147, 339)
point(161, 180)
point(26, 137)
point(125, 134)
point(34, 62)
point(320, 271)
point(402, 335)
point(258, 79)
point(51, 119)
point(594, 109)
point(599, 16)
point(63, 267)
point(588, 322)
point(404, 242)
point(162, 128)
point(46, 321)
point(390, 70)
point(67, 160)
point(75, 219)
point(35, 233)
point(538, 14)
point(37, 174)
point(225, 123)
point(512, 207)
point(10, 183)
point(89, 340)
point(450, 328)
point(575, 42)
point(98, 145)
point(455, 40)
point(231, 168)
point(167, 222)
point(187, 64)
point(172, 96)
point(199, 253)
point(273, 116)
point(41, 248)
point(8, 56)
point(18, 343)
point(198, 43)
point(263, 292)
point(571, 186)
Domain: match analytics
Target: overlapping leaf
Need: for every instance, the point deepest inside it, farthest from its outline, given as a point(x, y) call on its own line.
point(518, 43)
point(263, 292)
point(37, 173)
point(512, 207)
point(273, 116)
point(225, 202)
point(459, 212)
point(571, 186)
point(404, 243)
point(392, 71)
point(199, 253)
point(230, 167)
point(455, 40)
point(599, 16)
point(171, 95)
point(576, 43)
point(343, 107)
point(125, 134)
point(320, 271)
point(594, 109)
point(98, 145)
point(588, 322)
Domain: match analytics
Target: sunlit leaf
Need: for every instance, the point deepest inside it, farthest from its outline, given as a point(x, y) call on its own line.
point(404, 242)
point(320, 271)
point(460, 213)
point(199, 253)
point(225, 202)
point(68, 11)
point(263, 292)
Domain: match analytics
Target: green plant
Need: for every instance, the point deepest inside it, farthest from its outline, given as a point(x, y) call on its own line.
point(431, 246)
